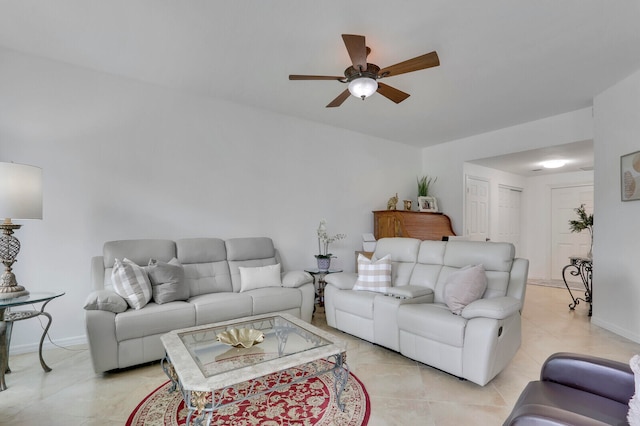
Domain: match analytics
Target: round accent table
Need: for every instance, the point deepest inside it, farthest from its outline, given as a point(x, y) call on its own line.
point(7, 319)
point(321, 282)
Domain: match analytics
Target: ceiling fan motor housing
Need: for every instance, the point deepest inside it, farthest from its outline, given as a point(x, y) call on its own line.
point(372, 72)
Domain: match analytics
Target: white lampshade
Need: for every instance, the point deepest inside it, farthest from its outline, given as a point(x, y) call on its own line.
point(363, 87)
point(20, 191)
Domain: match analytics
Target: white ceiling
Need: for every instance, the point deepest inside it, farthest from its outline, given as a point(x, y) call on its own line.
point(503, 62)
point(578, 157)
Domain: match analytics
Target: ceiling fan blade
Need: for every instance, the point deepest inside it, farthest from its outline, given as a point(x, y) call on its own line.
point(392, 93)
point(357, 50)
point(421, 62)
point(314, 77)
point(340, 99)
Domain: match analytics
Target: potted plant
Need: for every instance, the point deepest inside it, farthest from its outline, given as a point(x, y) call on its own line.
point(585, 221)
point(425, 202)
point(424, 183)
point(324, 239)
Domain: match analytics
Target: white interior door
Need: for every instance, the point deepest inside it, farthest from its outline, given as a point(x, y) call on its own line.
point(509, 212)
point(564, 243)
point(477, 209)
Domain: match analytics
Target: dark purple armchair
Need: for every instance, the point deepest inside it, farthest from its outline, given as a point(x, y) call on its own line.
point(576, 390)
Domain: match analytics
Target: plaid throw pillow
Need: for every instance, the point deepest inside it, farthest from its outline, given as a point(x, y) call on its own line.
point(131, 282)
point(373, 275)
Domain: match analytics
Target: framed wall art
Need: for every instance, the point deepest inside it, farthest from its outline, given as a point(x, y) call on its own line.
point(427, 204)
point(630, 176)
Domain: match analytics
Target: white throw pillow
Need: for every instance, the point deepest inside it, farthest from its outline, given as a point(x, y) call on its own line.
point(464, 286)
point(373, 275)
point(131, 282)
point(633, 416)
point(259, 277)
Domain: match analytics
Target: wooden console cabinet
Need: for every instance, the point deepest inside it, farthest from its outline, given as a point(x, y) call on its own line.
point(404, 223)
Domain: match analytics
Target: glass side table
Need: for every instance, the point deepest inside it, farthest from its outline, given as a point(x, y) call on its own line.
point(7, 318)
point(321, 282)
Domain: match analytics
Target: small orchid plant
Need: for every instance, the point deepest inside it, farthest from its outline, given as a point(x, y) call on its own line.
point(324, 239)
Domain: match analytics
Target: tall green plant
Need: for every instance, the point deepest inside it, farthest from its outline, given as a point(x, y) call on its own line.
point(424, 183)
point(585, 221)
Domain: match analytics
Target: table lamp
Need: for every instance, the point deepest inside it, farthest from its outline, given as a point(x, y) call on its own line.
point(20, 198)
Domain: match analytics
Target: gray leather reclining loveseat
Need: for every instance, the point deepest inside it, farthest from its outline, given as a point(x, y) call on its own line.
point(412, 317)
point(576, 389)
point(120, 336)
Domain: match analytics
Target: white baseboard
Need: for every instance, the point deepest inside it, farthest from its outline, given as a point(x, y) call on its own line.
point(615, 329)
point(33, 347)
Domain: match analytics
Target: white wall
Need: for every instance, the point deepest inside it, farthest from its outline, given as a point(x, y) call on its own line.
point(122, 159)
point(616, 251)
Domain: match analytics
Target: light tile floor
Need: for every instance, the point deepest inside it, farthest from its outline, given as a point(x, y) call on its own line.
point(402, 391)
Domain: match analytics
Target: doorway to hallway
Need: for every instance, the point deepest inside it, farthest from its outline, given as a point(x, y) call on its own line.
point(564, 243)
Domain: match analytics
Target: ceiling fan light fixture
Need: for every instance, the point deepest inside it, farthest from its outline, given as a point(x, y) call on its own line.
point(363, 87)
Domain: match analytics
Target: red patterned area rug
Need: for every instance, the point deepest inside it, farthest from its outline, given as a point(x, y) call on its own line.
point(311, 402)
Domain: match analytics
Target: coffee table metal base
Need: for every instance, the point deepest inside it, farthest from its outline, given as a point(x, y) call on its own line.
point(198, 401)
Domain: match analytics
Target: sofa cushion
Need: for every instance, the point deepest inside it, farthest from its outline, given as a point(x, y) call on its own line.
point(131, 282)
point(400, 249)
point(248, 253)
point(154, 319)
point(359, 303)
point(250, 248)
point(494, 256)
point(167, 281)
point(403, 252)
point(432, 321)
point(138, 251)
point(200, 250)
point(260, 277)
point(105, 300)
point(216, 307)
point(266, 300)
point(464, 286)
point(205, 265)
point(373, 275)
point(540, 400)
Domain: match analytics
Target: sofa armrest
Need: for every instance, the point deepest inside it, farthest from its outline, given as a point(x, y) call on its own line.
point(296, 278)
point(101, 335)
point(610, 379)
point(409, 292)
point(342, 280)
point(496, 308)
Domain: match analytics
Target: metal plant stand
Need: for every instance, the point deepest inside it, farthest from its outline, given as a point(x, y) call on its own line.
point(580, 267)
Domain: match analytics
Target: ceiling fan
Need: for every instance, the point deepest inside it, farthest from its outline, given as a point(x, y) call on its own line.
point(362, 76)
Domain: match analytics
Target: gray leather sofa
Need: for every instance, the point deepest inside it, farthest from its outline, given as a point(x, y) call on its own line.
point(413, 319)
point(576, 389)
point(211, 271)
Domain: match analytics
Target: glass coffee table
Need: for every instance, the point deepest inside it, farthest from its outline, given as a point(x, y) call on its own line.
point(211, 374)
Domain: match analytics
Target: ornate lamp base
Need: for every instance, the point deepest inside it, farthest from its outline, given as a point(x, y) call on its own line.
point(9, 249)
point(9, 292)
